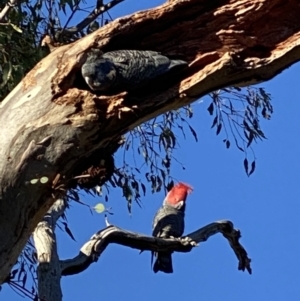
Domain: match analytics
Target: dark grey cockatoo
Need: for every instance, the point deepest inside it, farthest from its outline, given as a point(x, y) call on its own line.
point(125, 69)
point(169, 221)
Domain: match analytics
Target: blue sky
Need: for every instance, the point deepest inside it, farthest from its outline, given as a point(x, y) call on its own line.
point(265, 207)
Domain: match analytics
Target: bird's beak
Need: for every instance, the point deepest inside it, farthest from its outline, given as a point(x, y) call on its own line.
point(180, 205)
point(88, 80)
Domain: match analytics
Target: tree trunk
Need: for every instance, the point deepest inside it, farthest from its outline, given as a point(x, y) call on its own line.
point(49, 268)
point(53, 127)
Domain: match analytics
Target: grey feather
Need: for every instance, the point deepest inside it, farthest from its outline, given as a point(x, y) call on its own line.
point(125, 69)
point(168, 221)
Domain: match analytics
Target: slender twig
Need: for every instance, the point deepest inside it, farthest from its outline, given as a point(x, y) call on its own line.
point(72, 15)
point(100, 9)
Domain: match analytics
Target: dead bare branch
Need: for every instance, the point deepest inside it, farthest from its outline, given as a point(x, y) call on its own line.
point(92, 250)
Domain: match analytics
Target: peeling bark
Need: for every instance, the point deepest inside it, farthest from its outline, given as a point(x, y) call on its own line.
point(54, 127)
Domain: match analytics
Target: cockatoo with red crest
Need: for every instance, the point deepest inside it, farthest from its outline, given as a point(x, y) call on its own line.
point(169, 222)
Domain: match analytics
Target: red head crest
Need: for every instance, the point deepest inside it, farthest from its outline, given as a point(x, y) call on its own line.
point(178, 193)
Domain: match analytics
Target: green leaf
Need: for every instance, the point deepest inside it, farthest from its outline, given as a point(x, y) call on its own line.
point(210, 109)
point(173, 138)
point(71, 4)
point(252, 168)
point(143, 188)
point(170, 185)
point(219, 128)
point(127, 192)
point(246, 166)
point(67, 229)
point(99, 208)
point(44, 180)
point(250, 139)
point(24, 280)
point(16, 28)
point(6, 73)
point(194, 133)
point(214, 122)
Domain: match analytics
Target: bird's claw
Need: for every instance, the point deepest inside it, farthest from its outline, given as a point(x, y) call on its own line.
point(188, 241)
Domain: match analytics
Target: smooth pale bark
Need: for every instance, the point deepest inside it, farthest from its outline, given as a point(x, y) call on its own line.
point(48, 269)
point(51, 124)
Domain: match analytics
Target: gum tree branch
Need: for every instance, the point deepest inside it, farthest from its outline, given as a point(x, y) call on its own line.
point(92, 250)
point(48, 269)
point(53, 125)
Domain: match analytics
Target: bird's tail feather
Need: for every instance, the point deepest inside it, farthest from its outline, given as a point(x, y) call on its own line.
point(163, 263)
point(177, 63)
